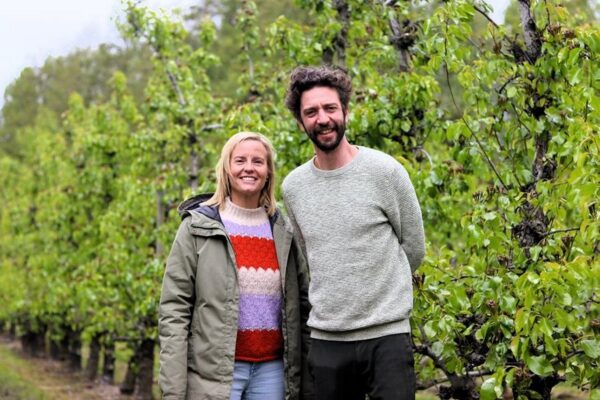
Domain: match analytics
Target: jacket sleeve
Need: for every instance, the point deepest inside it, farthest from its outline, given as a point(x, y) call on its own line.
point(299, 239)
point(303, 281)
point(405, 217)
point(307, 392)
point(175, 314)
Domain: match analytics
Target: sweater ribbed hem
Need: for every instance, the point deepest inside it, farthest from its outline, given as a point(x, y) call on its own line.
point(370, 332)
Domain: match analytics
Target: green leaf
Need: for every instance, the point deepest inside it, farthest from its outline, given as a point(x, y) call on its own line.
point(532, 276)
point(508, 304)
point(591, 348)
point(405, 125)
point(550, 346)
point(514, 345)
point(575, 76)
point(455, 130)
point(490, 216)
point(539, 365)
point(489, 390)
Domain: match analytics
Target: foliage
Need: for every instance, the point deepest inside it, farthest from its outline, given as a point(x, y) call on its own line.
point(499, 133)
point(233, 37)
point(48, 87)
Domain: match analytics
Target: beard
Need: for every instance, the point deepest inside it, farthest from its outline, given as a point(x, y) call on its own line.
point(327, 147)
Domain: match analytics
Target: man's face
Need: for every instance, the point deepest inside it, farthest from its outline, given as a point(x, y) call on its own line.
point(323, 117)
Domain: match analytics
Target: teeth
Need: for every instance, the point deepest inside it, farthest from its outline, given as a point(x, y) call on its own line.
point(248, 178)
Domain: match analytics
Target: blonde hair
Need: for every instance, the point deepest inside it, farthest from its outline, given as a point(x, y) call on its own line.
point(267, 194)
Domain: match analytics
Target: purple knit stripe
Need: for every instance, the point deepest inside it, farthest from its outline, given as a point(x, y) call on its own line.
point(260, 231)
point(259, 312)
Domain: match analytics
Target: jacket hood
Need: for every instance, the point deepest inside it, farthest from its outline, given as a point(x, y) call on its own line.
point(194, 204)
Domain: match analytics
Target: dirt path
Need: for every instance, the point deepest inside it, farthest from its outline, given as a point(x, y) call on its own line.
point(47, 378)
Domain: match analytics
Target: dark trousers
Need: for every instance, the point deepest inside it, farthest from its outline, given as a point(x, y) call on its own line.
point(383, 368)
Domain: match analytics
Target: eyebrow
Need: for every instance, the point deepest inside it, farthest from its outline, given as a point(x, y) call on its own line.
point(251, 157)
point(326, 105)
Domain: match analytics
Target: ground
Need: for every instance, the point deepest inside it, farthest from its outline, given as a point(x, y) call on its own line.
point(23, 378)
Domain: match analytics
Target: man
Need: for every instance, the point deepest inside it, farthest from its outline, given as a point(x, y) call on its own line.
point(359, 222)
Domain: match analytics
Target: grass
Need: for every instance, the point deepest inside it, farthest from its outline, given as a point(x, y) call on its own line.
point(566, 392)
point(16, 381)
point(23, 378)
point(426, 396)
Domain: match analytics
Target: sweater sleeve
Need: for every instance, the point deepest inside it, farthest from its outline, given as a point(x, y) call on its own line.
point(175, 314)
point(290, 214)
point(405, 216)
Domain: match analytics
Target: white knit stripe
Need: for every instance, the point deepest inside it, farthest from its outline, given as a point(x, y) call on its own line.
point(259, 281)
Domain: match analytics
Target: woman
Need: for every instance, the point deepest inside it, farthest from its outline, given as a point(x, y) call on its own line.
point(234, 298)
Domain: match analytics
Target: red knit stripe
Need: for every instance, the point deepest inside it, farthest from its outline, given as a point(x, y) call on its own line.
point(254, 252)
point(259, 345)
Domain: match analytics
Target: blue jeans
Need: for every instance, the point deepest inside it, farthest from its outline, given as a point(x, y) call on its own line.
point(258, 381)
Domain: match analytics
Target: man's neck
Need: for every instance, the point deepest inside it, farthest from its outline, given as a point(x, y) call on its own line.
point(340, 156)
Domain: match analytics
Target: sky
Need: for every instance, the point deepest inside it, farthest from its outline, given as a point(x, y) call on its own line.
point(33, 30)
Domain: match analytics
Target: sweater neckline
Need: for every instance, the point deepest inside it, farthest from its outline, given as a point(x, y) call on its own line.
point(250, 216)
point(327, 173)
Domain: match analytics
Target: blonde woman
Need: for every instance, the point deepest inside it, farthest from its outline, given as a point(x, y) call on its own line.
point(234, 298)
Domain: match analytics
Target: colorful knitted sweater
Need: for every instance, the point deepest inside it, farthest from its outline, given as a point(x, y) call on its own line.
point(259, 336)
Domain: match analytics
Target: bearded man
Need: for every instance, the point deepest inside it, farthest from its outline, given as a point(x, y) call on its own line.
point(358, 219)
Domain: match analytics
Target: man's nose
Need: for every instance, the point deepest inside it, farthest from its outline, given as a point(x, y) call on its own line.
point(322, 117)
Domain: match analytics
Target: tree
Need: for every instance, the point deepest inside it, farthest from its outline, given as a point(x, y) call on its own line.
point(48, 87)
point(506, 168)
point(230, 45)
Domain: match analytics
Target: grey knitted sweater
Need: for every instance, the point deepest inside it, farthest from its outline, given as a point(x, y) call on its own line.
point(362, 231)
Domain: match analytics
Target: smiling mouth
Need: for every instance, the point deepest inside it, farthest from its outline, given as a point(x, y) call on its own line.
point(326, 128)
point(326, 131)
point(248, 179)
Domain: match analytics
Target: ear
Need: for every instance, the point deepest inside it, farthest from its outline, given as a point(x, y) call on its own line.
point(346, 113)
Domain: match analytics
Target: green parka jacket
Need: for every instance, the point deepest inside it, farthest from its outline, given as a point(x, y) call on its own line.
point(198, 311)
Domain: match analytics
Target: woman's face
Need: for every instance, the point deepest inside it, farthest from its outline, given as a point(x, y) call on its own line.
point(248, 173)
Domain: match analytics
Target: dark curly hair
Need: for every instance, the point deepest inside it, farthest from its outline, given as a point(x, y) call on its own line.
point(305, 78)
